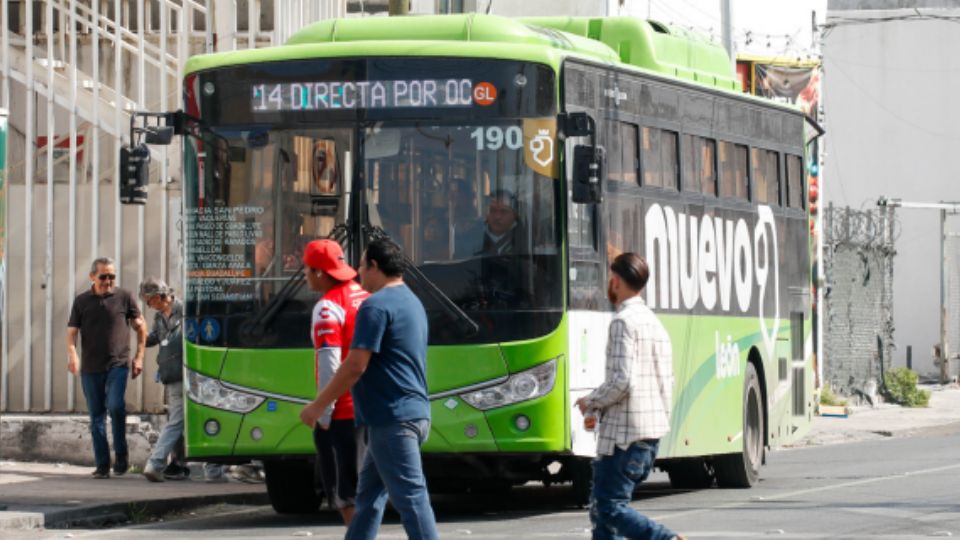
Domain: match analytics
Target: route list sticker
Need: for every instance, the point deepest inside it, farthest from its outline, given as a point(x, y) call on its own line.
point(221, 242)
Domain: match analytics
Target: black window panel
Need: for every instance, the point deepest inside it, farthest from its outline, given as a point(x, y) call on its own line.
point(660, 158)
point(766, 176)
point(794, 181)
point(733, 170)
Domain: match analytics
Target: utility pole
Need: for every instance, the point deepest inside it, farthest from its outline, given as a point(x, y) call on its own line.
point(726, 24)
point(945, 208)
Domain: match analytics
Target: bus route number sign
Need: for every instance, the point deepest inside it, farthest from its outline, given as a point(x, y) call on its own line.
point(353, 95)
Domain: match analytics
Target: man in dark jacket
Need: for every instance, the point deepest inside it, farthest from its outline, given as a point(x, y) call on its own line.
point(167, 333)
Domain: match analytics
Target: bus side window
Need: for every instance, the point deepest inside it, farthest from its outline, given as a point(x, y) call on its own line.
point(586, 272)
point(733, 170)
point(659, 155)
point(699, 164)
point(766, 176)
point(622, 153)
point(794, 182)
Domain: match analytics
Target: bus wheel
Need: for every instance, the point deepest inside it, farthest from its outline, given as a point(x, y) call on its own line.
point(742, 470)
point(581, 476)
point(291, 486)
point(690, 474)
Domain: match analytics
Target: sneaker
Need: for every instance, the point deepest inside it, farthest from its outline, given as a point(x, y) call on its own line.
point(216, 479)
point(248, 474)
point(102, 472)
point(152, 473)
point(176, 472)
point(121, 466)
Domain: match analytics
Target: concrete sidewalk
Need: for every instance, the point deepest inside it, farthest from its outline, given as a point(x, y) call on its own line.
point(38, 495)
point(886, 420)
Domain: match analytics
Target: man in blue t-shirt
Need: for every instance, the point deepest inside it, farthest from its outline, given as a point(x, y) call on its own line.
point(386, 367)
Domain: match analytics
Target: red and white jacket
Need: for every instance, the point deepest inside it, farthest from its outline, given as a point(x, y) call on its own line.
point(331, 333)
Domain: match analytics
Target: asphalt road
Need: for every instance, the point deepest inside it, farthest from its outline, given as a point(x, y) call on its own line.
point(879, 489)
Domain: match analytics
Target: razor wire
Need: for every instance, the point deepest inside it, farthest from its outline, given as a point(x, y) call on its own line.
point(858, 297)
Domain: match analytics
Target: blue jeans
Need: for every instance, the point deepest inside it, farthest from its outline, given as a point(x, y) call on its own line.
point(392, 467)
point(172, 430)
point(614, 478)
point(104, 393)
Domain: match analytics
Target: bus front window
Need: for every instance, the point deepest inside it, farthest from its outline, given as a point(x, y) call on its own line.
point(253, 200)
point(475, 208)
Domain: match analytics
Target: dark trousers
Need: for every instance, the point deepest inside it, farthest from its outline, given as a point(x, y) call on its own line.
point(104, 393)
point(614, 479)
point(337, 461)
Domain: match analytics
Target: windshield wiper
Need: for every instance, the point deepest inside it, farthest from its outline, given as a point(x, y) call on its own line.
point(255, 328)
point(468, 326)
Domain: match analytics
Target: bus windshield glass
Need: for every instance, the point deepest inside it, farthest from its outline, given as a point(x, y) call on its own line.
point(453, 158)
point(474, 206)
point(258, 198)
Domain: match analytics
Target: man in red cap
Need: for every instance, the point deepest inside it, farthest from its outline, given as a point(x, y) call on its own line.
point(335, 433)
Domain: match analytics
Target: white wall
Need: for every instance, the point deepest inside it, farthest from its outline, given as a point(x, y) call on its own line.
point(893, 129)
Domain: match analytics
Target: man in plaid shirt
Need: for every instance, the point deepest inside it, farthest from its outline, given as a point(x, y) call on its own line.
point(633, 403)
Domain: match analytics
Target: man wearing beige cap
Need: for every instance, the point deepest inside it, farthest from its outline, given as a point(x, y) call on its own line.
point(335, 433)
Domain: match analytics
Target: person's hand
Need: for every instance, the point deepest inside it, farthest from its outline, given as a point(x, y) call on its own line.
point(310, 414)
point(73, 364)
point(137, 367)
point(582, 404)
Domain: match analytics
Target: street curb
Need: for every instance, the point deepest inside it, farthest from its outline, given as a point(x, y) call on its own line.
point(99, 515)
point(20, 520)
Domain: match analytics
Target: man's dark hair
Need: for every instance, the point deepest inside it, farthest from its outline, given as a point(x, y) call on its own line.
point(632, 269)
point(388, 256)
point(506, 196)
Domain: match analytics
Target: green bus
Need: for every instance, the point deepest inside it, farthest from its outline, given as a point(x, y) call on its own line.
point(600, 135)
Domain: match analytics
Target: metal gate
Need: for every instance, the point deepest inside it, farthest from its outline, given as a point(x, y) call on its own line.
point(70, 73)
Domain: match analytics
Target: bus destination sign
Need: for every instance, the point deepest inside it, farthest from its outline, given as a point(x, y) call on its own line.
point(387, 94)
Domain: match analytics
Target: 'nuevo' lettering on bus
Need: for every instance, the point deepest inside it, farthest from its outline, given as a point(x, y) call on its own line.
point(710, 260)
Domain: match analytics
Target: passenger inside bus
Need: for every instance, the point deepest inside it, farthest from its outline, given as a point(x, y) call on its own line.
point(436, 243)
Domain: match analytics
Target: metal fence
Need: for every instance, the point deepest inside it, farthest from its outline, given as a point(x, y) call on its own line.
point(70, 73)
point(858, 252)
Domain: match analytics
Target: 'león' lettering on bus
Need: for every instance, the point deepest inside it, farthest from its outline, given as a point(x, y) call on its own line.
point(727, 357)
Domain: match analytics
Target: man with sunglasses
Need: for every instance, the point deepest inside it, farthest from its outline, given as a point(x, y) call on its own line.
point(103, 316)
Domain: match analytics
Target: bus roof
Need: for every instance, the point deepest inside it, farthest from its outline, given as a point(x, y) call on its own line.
point(648, 45)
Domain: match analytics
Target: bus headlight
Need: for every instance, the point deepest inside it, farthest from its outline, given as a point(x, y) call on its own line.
point(208, 391)
point(523, 386)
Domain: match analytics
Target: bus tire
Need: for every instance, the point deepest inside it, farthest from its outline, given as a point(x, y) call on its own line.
point(581, 478)
point(291, 486)
point(692, 473)
point(741, 470)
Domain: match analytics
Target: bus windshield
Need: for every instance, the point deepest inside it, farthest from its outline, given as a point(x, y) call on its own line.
point(257, 198)
point(455, 159)
point(474, 207)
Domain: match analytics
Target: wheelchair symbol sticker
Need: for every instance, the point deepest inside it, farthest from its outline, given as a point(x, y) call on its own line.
point(209, 330)
point(191, 329)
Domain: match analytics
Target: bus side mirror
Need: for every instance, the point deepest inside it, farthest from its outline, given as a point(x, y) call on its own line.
point(162, 135)
point(134, 174)
point(576, 124)
point(587, 174)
